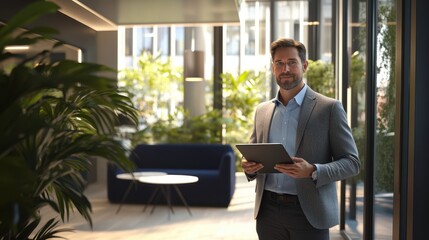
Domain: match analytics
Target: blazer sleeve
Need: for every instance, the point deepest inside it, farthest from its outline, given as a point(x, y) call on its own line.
point(345, 161)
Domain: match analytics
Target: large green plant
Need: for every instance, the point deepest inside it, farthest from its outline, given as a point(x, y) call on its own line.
point(54, 118)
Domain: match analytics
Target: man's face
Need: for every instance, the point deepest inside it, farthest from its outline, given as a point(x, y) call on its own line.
point(288, 68)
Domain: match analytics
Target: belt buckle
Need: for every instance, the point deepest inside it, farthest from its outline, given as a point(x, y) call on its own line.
point(284, 198)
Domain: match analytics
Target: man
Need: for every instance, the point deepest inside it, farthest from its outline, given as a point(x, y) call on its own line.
point(300, 202)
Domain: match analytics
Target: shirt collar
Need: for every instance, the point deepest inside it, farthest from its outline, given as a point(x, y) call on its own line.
point(299, 98)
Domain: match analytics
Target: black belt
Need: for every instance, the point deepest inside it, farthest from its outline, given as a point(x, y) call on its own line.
point(281, 198)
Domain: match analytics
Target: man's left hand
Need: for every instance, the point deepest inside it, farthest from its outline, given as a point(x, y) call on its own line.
point(300, 169)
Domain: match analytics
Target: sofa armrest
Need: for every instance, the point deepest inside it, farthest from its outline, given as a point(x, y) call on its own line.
point(227, 169)
point(227, 162)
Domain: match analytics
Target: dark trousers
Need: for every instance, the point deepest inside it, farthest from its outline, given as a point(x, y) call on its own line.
point(281, 218)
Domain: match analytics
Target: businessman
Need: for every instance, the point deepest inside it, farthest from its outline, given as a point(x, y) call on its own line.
point(299, 201)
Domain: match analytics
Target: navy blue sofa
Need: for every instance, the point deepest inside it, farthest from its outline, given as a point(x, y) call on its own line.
point(213, 164)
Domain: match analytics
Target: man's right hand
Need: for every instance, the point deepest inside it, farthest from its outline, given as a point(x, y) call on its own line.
point(250, 167)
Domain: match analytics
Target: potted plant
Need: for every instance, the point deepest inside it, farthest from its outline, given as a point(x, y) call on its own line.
point(54, 118)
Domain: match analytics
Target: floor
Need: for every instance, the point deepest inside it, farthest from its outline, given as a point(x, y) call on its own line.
point(232, 223)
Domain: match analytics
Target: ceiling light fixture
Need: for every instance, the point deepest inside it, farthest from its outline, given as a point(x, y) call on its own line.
point(17, 47)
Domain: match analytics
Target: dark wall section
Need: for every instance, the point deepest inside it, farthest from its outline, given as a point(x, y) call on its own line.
point(70, 31)
point(421, 119)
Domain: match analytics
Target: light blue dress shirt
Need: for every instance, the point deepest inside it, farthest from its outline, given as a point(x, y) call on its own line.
point(283, 129)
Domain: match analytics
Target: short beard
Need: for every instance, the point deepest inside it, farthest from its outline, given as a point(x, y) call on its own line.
point(289, 86)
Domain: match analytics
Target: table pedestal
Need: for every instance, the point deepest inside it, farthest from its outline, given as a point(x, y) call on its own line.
point(164, 185)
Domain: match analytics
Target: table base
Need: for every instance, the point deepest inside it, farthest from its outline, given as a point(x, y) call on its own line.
point(165, 189)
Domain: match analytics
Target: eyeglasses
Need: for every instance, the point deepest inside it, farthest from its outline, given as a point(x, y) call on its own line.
point(282, 64)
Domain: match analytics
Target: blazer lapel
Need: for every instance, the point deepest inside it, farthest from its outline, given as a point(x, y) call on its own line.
point(307, 108)
point(267, 120)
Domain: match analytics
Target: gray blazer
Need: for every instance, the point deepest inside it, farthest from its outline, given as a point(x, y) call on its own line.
point(323, 137)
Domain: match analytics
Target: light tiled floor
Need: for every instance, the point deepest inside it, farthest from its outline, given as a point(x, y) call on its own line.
point(232, 223)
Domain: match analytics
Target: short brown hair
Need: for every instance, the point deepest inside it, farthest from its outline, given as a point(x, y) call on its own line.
point(288, 42)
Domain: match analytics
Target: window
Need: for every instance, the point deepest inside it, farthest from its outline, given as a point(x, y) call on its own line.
point(163, 40)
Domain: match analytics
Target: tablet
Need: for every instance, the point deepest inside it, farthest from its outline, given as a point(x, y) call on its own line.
point(269, 154)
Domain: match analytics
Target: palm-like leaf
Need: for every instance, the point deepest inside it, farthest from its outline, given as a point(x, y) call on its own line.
point(48, 231)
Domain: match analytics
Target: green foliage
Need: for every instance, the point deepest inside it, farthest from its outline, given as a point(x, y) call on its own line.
point(241, 95)
point(152, 85)
point(320, 77)
point(54, 119)
point(357, 71)
point(198, 129)
point(386, 106)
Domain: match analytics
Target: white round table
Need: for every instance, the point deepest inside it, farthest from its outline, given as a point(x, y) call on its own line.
point(137, 175)
point(134, 176)
point(164, 183)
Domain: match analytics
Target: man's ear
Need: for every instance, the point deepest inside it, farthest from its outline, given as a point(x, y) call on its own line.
point(304, 66)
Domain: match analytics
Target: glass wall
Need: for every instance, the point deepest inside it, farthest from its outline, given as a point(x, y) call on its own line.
point(380, 175)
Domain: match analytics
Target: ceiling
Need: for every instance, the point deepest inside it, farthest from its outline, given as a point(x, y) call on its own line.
point(106, 15)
